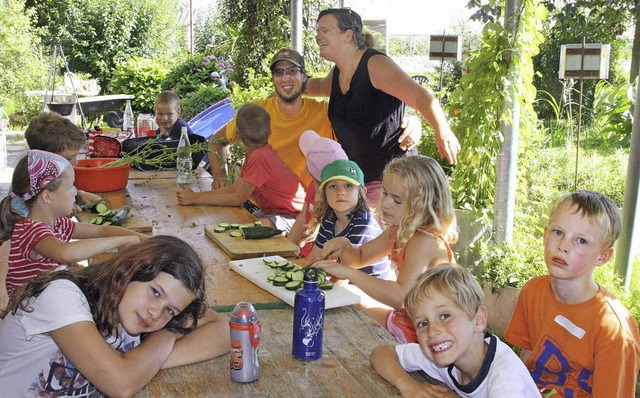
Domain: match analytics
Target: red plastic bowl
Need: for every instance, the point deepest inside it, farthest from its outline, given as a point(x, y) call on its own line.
point(91, 177)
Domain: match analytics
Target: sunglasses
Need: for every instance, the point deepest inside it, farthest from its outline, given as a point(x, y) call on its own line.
point(290, 71)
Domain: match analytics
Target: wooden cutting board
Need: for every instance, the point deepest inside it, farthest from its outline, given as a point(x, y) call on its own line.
point(238, 248)
point(255, 270)
point(133, 223)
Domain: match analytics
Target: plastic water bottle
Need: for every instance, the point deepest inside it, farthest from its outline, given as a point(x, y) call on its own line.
point(245, 336)
point(184, 162)
point(308, 318)
point(144, 125)
point(127, 119)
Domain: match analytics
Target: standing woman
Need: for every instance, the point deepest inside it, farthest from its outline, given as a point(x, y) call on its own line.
point(366, 91)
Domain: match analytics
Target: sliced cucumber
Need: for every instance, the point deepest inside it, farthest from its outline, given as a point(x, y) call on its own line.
point(224, 225)
point(293, 285)
point(326, 286)
point(219, 230)
point(297, 275)
point(235, 226)
point(236, 234)
point(280, 281)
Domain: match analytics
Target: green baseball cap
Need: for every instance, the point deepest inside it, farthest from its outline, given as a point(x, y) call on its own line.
point(342, 169)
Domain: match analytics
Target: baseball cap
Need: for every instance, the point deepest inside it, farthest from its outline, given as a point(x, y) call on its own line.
point(319, 151)
point(342, 170)
point(287, 54)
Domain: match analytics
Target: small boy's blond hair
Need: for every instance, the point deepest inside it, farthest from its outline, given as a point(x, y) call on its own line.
point(169, 97)
point(253, 125)
point(455, 283)
point(598, 208)
point(49, 131)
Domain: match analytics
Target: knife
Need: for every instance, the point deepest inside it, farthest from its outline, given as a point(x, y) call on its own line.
point(91, 204)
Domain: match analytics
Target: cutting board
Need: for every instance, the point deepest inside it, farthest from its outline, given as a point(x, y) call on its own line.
point(133, 223)
point(255, 270)
point(238, 248)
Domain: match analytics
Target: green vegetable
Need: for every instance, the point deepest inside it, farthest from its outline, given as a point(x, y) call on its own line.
point(326, 286)
point(120, 217)
point(99, 207)
point(236, 234)
point(224, 225)
point(259, 232)
point(219, 229)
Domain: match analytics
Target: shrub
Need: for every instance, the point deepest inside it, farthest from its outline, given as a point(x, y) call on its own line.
point(141, 78)
point(195, 73)
point(194, 103)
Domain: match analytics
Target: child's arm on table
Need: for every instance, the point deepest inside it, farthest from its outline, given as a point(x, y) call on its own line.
point(113, 373)
point(86, 231)
point(384, 360)
point(71, 252)
point(235, 195)
point(209, 340)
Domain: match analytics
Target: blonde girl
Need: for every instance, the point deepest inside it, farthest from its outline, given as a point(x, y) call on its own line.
point(343, 211)
point(34, 217)
point(417, 209)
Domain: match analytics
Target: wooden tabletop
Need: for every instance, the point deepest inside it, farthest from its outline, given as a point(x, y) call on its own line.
point(349, 333)
point(344, 369)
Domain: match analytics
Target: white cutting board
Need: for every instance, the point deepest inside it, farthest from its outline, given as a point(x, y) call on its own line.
point(257, 272)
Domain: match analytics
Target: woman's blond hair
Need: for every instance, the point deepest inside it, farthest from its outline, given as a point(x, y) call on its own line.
point(427, 199)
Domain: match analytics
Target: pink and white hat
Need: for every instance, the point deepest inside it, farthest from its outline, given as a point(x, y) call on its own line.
point(319, 152)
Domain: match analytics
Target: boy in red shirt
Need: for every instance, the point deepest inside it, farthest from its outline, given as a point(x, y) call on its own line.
point(264, 177)
point(577, 339)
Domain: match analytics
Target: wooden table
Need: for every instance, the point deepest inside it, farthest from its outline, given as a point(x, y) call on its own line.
point(349, 333)
point(344, 369)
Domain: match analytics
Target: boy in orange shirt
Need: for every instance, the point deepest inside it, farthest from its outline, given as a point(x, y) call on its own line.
point(577, 339)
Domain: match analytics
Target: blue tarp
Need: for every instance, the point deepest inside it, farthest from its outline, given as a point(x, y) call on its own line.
point(207, 122)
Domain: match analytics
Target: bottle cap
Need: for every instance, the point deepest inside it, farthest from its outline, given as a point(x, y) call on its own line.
point(311, 274)
point(244, 314)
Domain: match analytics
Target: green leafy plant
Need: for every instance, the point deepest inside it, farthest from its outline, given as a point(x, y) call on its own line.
point(196, 72)
point(141, 78)
point(196, 102)
point(613, 114)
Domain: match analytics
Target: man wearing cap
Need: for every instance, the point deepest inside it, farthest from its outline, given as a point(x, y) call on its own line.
point(290, 116)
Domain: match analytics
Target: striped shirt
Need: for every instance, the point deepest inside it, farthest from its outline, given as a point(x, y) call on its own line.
point(26, 234)
point(362, 228)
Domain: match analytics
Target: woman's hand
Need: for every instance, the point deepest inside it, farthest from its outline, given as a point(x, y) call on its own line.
point(411, 132)
point(448, 146)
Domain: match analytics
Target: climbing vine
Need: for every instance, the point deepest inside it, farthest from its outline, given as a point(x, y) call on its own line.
point(475, 106)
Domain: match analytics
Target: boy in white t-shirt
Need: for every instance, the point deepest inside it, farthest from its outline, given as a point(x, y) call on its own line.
point(446, 306)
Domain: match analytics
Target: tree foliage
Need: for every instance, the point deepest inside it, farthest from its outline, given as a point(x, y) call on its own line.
point(97, 35)
point(249, 32)
point(475, 106)
point(598, 21)
point(20, 57)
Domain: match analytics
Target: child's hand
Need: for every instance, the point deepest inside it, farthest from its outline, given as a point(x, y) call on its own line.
point(219, 182)
point(186, 196)
point(87, 197)
point(333, 268)
point(332, 250)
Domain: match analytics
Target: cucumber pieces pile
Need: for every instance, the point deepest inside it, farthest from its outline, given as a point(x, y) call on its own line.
point(248, 231)
point(290, 276)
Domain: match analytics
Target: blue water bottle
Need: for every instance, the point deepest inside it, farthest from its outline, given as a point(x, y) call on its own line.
point(308, 318)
